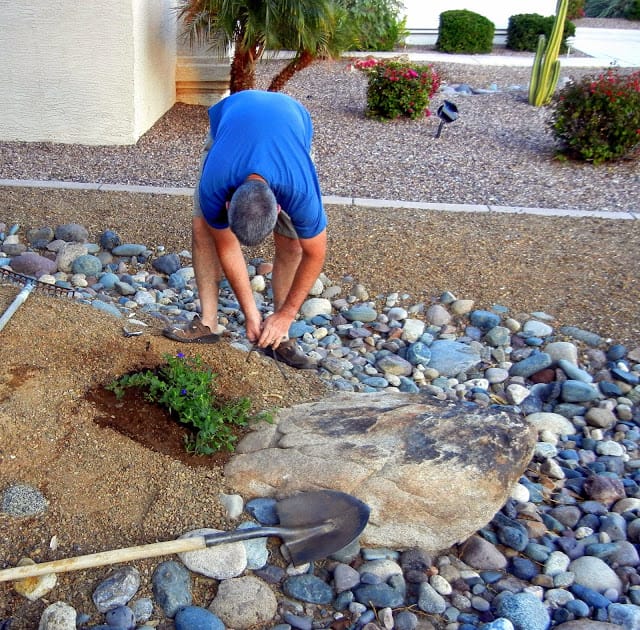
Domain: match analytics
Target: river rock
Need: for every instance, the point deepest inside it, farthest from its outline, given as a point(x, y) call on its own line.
point(454, 465)
point(244, 602)
point(58, 616)
point(220, 562)
point(450, 358)
point(37, 586)
point(32, 264)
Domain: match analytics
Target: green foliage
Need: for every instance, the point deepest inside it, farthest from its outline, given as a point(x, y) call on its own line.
point(575, 10)
point(611, 8)
point(378, 23)
point(185, 387)
point(632, 11)
point(397, 88)
point(597, 118)
point(524, 30)
point(463, 31)
point(312, 28)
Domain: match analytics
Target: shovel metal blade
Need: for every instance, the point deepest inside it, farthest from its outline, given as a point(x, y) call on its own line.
point(315, 524)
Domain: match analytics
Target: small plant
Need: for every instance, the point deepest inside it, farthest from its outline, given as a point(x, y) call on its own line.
point(575, 10)
point(463, 31)
point(185, 387)
point(397, 88)
point(598, 118)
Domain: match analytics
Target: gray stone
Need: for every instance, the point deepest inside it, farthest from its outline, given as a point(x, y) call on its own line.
point(393, 364)
point(392, 450)
point(532, 364)
point(244, 602)
point(562, 350)
point(71, 232)
point(577, 391)
point(58, 616)
point(438, 315)
point(345, 577)
point(220, 562)
point(553, 422)
point(482, 555)
point(32, 264)
point(314, 307)
point(22, 500)
point(430, 601)
point(600, 417)
point(86, 264)
point(171, 587)
point(595, 574)
point(68, 253)
point(117, 590)
point(360, 313)
point(450, 358)
point(587, 624)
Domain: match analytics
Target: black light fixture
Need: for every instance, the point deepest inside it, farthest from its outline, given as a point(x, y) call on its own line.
point(447, 113)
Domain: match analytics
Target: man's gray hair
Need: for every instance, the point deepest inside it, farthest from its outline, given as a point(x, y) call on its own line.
point(253, 212)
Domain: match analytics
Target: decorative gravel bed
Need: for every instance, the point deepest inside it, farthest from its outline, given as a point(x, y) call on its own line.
point(499, 151)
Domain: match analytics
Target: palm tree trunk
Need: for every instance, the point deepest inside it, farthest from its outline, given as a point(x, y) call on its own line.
point(295, 65)
point(243, 67)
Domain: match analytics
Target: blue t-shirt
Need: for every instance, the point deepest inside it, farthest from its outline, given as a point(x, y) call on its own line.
point(269, 134)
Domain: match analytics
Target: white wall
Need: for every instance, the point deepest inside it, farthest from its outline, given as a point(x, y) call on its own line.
point(425, 14)
point(85, 72)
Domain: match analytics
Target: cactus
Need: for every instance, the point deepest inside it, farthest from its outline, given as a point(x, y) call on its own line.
point(546, 66)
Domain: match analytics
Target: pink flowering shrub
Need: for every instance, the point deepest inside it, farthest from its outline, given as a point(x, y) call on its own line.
point(396, 88)
point(597, 118)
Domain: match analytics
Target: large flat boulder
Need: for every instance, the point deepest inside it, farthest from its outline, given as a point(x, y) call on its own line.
point(433, 473)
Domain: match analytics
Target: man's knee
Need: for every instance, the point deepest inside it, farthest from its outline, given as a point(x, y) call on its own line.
point(288, 250)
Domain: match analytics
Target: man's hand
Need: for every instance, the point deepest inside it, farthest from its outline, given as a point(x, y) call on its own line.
point(253, 325)
point(275, 330)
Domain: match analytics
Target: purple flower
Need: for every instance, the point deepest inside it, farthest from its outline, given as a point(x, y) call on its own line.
point(180, 355)
point(183, 392)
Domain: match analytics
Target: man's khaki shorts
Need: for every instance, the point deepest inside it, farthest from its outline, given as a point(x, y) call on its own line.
point(284, 225)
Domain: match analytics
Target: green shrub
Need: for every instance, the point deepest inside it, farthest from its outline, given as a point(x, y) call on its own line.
point(398, 88)
point(575, 10)
point(598, 118)
point(632, 11)
point(524, 29)
point(185, 387)
point(610, 8)
point(378, 23)
point(463, 31)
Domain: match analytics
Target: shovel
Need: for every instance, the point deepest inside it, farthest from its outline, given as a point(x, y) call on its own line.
point(313, 525)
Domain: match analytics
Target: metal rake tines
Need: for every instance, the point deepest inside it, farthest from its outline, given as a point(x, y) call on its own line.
point(20, 279)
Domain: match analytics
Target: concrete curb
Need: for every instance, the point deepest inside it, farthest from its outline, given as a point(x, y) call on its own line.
point(333, 200)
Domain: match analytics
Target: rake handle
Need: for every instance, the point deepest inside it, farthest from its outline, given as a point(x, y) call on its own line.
point(126, 554)
point(15, 305)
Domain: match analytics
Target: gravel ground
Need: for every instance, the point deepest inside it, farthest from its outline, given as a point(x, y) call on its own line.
point(499, 151)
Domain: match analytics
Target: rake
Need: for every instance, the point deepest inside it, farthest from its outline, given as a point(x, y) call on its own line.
point(29, 285)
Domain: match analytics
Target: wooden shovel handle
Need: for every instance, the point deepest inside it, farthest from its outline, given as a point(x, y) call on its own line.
point(105, 557)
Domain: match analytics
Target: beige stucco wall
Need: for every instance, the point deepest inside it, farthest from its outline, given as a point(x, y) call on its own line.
point(423, 14)
point(85, 72)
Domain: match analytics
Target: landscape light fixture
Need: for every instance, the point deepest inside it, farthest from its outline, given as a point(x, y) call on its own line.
point(447, 113)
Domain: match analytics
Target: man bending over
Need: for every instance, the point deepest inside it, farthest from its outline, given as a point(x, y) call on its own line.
point(257, 177)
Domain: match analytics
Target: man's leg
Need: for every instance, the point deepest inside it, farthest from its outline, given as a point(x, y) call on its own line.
point(208, 271)
point(288, 255)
